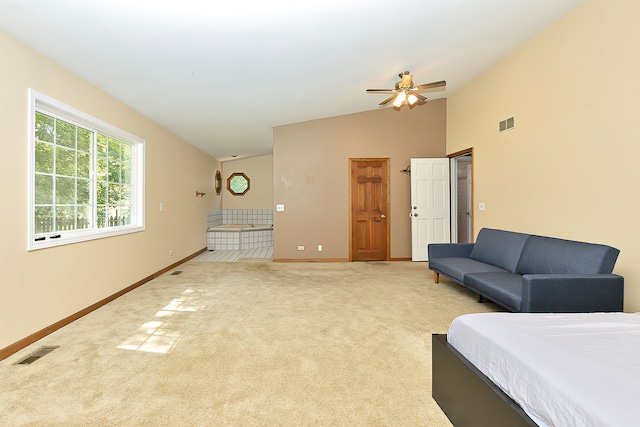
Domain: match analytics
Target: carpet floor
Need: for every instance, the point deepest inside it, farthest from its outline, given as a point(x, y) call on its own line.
point(246, 344)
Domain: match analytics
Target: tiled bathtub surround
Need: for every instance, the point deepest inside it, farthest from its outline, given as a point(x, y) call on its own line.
point(247, 216)
point(214, 217)
point(239, 216)
point(239, 240)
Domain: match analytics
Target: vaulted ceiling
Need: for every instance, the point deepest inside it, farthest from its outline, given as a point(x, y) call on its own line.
point(222, 74)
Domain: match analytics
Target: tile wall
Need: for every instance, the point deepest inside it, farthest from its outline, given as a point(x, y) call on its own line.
point(239, 216)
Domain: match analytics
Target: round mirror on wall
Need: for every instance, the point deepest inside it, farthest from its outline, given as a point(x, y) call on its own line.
point(238, 183)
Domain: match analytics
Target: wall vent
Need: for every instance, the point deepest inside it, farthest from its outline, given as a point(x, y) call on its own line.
point(507, 124)
point(41, 352)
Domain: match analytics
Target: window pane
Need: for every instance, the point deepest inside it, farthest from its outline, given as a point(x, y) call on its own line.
point(102, 168)
point(84, 192)
point(83, 217)
point(125, 194)
point(239, 184)
point(101, 192)
point(115, 148)
point(123, 215)
point(84, 140)
point(114, 193)
point(44, 127)
point(126, 153)
point(65, 190)
point(65, 161)
point(101, 148)
point(44, 189)
point(126, 174)
point(44, 157)
point(101, 217)
point(65, 134)
point(114, 171)
point(125, 171)
point(65, 218)
point(43, 219)
point(84, 165)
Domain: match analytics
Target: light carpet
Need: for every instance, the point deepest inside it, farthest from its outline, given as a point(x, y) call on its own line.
point(246, 344)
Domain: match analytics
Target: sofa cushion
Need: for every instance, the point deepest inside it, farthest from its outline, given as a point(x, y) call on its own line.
point(503, 287)
point(457, 268)
point(548, 255)
point(499, 248)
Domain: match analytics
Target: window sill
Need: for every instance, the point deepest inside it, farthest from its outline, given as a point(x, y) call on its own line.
point(68, 238)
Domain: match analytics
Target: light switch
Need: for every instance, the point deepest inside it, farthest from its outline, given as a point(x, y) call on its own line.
point(279, 208)
point(481, 206)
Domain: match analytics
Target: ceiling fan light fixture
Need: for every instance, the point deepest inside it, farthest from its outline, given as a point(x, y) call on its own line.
point(400, 99)
point(406, 92)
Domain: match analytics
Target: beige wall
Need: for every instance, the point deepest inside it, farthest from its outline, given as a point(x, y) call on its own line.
point(42, 287)
point(570, 166)
point(260, 173)
point(311, 175)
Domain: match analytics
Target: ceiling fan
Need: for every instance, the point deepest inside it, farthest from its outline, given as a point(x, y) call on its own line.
point(405, 90)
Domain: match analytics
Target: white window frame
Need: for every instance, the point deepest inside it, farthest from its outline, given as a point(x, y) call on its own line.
point(45, 104)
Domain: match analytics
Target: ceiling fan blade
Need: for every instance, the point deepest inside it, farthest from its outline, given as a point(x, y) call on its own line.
point(431, 85)
point(388, 100)
point(381, 91)
point(420, 97)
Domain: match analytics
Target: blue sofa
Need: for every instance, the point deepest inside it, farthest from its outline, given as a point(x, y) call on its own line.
point(533, 274)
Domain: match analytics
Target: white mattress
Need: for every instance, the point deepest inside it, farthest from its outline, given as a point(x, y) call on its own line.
point(563, 369)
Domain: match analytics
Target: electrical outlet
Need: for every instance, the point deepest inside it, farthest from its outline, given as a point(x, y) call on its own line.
point(301, 248)
point(319, 248)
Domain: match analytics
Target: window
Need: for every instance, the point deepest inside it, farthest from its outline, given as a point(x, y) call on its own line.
point(86, 177)
point(238, 184)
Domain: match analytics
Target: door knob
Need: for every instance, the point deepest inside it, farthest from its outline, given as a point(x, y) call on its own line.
point(415, 214)
point(415, 207)
point(383, 216)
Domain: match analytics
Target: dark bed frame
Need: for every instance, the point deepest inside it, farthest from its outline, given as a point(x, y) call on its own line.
point(466, 395)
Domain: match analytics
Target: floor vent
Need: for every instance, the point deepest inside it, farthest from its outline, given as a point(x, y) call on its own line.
point(175, 273)
point(41, 352)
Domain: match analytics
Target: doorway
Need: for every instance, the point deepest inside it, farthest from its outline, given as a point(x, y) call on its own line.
point(369, 210)
point(462, 196)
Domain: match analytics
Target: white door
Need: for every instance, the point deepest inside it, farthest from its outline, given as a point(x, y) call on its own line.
point(430, 205)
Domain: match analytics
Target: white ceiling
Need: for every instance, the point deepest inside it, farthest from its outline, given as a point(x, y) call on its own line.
point(222, 74)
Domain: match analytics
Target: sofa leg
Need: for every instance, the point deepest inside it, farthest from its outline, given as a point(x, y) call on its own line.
point(436, 277)
point(480, 299)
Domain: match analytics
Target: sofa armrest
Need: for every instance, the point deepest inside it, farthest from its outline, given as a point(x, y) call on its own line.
point(572, 293)
point(449, 250)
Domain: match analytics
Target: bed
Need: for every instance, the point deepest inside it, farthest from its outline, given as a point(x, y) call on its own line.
point(512, 369)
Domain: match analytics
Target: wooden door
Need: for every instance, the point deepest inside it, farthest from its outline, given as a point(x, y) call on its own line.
point(369, 210)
